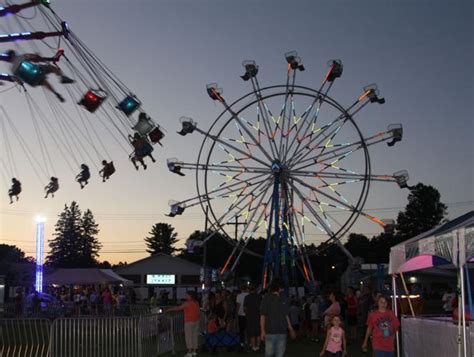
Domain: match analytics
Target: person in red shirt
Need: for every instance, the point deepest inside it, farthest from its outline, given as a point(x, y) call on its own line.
point(351, 301)
point(382, 324)
point(191, 322)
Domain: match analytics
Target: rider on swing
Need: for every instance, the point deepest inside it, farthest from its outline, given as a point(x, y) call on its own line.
point(42, 65)
point(15, 190)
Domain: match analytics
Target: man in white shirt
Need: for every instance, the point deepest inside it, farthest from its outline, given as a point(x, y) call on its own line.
point(241, 314)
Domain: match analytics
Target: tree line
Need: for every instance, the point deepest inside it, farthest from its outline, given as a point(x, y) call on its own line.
point(75, 241)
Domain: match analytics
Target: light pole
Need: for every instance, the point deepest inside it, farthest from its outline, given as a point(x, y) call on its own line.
point(39, 253)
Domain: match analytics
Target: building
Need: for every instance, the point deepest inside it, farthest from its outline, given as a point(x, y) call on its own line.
point(162, 273)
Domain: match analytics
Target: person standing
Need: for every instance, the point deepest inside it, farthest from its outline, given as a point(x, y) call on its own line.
point(447, 299)
point(382, 325)
point(333, 309)
point(335, 343)
point(252, 304)
point(241, 314)
point(351, 302)
point(191, 322)
point(274, 321)
point(315, 320)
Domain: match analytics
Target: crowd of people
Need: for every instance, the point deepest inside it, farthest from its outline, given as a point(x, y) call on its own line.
point(78, 301)
point(266, 319)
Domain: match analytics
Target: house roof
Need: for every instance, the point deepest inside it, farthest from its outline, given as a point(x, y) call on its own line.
point(159, 263)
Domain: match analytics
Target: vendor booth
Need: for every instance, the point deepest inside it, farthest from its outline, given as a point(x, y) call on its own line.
point(91, 276)
point(448, 246)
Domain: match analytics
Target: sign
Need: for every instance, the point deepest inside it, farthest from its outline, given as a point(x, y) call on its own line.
point(161, 279)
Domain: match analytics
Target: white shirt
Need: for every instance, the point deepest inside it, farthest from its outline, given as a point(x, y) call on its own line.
point(448, 301)
point(240, 302)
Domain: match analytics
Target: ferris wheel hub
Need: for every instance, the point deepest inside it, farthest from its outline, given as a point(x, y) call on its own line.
point(277, 167)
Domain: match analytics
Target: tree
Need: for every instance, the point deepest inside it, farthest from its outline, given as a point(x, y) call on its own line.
point(358, 245)
point(75, 244)
point(18, 269)
point(423, 212)
point(162, 239)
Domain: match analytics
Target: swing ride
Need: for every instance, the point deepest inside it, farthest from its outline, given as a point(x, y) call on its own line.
point(303, 166)
point(91, 99)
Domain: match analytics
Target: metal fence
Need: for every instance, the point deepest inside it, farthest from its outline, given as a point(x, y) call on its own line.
point(140, 336)
point(56, 310)
point(24, 337)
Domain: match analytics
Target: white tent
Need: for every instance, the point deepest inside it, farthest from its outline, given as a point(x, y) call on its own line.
point(450, 243)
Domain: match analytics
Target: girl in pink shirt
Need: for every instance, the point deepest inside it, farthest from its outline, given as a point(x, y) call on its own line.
point(335, 343)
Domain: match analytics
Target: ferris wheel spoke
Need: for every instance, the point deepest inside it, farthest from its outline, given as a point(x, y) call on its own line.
point(223, 167)
point(261, 190)
point(221, 189)
point(300, 154)
point(350, 112)
point(285, 119)
point(238, 120)
point(318, 101)
point(227, 145)
point(263, 110)
point(343, 205)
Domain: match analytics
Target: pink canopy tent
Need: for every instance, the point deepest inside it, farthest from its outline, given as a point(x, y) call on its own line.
point(422, 261)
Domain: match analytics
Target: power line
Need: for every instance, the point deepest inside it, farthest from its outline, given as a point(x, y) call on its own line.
point(153, 216)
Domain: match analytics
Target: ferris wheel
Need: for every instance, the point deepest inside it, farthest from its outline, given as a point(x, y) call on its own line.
point(287, 160)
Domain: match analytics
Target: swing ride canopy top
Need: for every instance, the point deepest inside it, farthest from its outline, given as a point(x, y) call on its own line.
point(448, 243)
point(287, 160)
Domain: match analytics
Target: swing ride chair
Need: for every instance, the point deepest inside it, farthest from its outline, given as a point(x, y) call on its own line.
point(97, 100)
point(287, 172)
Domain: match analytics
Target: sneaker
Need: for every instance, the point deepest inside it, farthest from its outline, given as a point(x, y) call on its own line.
point(67, 80)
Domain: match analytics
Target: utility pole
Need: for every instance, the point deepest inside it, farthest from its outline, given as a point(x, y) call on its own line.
point(204, 249)
point(237, 224)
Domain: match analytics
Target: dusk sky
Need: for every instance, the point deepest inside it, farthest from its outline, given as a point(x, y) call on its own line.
point(420, 54)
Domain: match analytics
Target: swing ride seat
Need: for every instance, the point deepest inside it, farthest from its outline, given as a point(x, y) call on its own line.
point(128, 105)
point(30, 73)
point(93, 99)
point(84, 176)
point(14, 191)
point(156, 135)
point(144, 125)
point(109, 169)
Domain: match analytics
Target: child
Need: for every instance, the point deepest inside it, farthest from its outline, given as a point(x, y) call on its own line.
point(382, 324)
point(335, 343)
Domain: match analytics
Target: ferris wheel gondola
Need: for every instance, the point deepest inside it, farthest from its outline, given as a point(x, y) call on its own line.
point(286, 171)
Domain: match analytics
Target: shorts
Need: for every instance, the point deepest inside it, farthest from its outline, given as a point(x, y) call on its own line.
point(378, 353)
point(333, 354)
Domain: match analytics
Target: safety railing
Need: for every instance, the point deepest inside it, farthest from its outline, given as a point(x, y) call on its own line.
point(24, 337)
point(115, 336)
